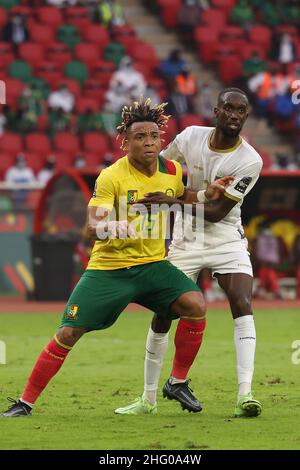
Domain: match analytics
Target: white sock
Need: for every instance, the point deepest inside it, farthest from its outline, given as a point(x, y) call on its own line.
point(156, 346)
point(245, 342)
point(26, 403)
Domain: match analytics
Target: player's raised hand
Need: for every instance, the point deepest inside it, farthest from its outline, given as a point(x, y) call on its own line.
point(218, 187)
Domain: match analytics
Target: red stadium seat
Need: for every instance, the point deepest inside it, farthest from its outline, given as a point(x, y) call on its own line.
point(14, 87)
point(39, 143)
point(79, 17)
point(63, 160)
point(260, 35)
point(214, 18)
point(286, 28)
point(66, 142)
point(87, 52)
point(225, 5)
point(35, 161)
point(93, 89)
point(230, 68)
point(102, 70)
point(3, 17)
point(97, 35)
point(59, 53)
point(49, 71)
point(247, 50)
point(6, 161)
point(31, 52)
point(42, 33)
point(92, 160)
point(10, 143)
point(96, 143)
point(83, 104)
point(50, 15)
point(203, 34)
point(144, 52)
point(190, 120)
point(6, 53)
point(231, 33)
point(169, 10)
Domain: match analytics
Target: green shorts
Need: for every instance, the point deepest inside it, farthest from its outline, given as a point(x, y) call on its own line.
point(101, 295)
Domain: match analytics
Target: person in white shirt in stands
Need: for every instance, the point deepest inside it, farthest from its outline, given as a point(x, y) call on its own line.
point(47, 172)
point(209, 153)
point(129, 79)
point(20, 173)
point(62, 98)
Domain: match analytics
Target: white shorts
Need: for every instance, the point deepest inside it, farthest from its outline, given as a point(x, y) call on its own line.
point(220, 260)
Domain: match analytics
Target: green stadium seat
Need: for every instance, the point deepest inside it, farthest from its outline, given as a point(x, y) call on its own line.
point(9, 3)
point(76, 70)
point(68, 34)
point(20, 70)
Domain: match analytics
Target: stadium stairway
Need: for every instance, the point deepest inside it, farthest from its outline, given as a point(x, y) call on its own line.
point(150, 29)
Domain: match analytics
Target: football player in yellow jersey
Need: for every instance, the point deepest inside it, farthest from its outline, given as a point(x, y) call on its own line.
point(125, 265)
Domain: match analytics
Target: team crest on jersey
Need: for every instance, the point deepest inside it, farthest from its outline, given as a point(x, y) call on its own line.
point(132, 196)
point(243, 184)
point(72, 312)
point(169, 192)
point(95, 190)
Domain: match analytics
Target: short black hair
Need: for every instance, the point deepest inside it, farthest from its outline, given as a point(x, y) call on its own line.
point(231, 90)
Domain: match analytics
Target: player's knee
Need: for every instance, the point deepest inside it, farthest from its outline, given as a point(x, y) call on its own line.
point(69, 336)
point(241, 304)
point(193, 306)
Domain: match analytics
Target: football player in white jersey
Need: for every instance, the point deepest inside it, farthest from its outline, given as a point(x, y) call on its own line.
point(209, 153)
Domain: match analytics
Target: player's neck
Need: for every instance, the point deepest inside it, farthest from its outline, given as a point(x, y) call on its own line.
point(220, 141)
point(146, 169)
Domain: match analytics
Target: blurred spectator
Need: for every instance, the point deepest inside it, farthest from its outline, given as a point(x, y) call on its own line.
point(296, 262)
point(58, 121)
point(253, 65)
point(242, 14)
point(16, 31)
point(86, 122)
point(290, 12)
point(282, 162)
point(269, 14)
point(284, 107)
point(128, 79)
point(172, 66)
point(20, 173)
point(108, 159)
point(31, 106)
point(186, 82)
point(266, 86)
point(116, 98)
point(178, 104)
point(151, 93)
point(267, 253)
point(79, 161)
point(283, 49)
point(62, 98)
point(188, 17)
point(109, 13)
point(108, 119)
point(3, 122)
point(206, 107)
point(47, 172)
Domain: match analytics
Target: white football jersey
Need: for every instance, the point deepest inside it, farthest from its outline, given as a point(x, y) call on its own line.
point(205, 165)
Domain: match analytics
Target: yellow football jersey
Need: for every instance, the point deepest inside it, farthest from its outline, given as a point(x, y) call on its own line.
point(116, 188)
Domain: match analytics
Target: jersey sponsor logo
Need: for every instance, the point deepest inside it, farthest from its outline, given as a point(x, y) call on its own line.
point(132, 196)
point(170, 192)
point(72, 311)
point(95, 190)
point(243, 184)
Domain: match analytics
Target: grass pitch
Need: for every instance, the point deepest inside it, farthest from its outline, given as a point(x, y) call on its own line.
point(105, 371)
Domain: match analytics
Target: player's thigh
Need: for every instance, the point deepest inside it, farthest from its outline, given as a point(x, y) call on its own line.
point(162, 283)
point(228, 262)
point(98, 299)
point(189, 262)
